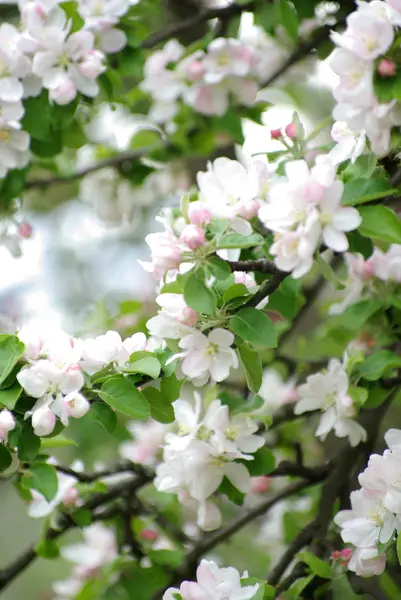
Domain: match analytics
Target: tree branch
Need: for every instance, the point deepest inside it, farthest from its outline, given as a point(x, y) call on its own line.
point(211, 541)
point(267, 287)
point(91, 477)
point(191, 22)
point(262, 265)
point(66, 523)
point(119, 160)
point(301, 540)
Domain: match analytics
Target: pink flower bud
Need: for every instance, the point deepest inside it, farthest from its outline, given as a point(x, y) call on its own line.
point(261, 485)
point(248, 209)
point(73, 368)
point(43, 421)
point(291, 131)
point(196, 70)
point(246, 53)
point(25, 230)
point(291, 396)
point(150, 535)
point(189, 316)
point(40, 11)
point(336, 555)
point(92, 64)
point(368, 269)
point(276, 134)
point(346, 554)
point(71, 497)
point(198, 214)
point(64, 93)
point(193, 237)
point(386, 68)
point(240, 277)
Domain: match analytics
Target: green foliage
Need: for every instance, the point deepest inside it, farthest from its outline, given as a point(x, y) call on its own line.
point(11, 350)
point(377, 364)
point(356, 315)
point(5, 457)
point(380, 223)
point(43, 478)
point(318, 566)
point(359, 191)
point(252, 363)
point(28, 442)
point(198, 296)
point(104, 415)
point(288, 18)
point(160, 406)
point(119, 393)
point(231, 492)
point(145, 363)
point(254, 326)
point(287, 299)
point(47, 549)
point(231, 241)
point(262, 464)
point(10, 395)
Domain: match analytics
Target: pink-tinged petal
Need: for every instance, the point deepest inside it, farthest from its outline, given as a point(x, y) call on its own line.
point(221, 337)
point(195, 364)
point(206, 482)
point(112, 40)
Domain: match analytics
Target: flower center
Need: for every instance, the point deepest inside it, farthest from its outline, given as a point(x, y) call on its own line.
point(212, 349)
point(4, 135)
point(223, 60)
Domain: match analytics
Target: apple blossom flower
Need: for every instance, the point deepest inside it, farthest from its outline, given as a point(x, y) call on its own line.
point(367, 562)
point(247, 279)
point(70, 65)
point(146, 445)
point(207, 356)
point(32, 341)
point(367, 35)
point(7, 424)
point(98, 550)
point(174, 320)
point(101, 17)
point(214, 582)
point(193, 237)
point(166, 253)
point(275, 392)
point(350, 144)
point(39, 507)
point(328, 392)
point(108, 349)
point(198, 214)
point(14, 146)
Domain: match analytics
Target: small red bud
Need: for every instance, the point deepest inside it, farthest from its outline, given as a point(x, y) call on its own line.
point(25, 230)
point(276, 134)
point(386, 68)
point(149, 535)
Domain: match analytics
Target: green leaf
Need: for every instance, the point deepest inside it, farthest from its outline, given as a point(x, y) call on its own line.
point(48, 148)
point(380, 223)
point(70, 8)
point(288, 18)
point(104, 415)
point(262, 464)
point(265, 591)
point(377, 395)
point(9, 396)
point(82, 517)
point(11, 350)
point(219, 267)
point(238, 290)
point(235, 240)
point(5, 458)
point(253, 325)
point(318, 567)
point(297, 588)
point(144, 362)
point(359, 395)
point(168, 558)
point(43, 478)
point(160, 406)
point(378, 363)
point(364, 167)
point(252, 363)
point(170, 387)
point(231, 492)
point(358, 191)
point(230, 123)
point(287, 299)
point(47, 549)
point(356, 315)
point(57, 442)
point(199, 297)
point(121, 395)
point(28, 442)
point(399, 548)
point(342, 589)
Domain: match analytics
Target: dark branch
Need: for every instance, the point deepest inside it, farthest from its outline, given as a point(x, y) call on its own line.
point(267, 287)
point(301, 540)
point(91, 477)
point(191, 22)
point(288, 469)
point(261, 264)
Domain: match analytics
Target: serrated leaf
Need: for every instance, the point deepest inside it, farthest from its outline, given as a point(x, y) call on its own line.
point(356, 315)
point(378, 363)
point(161, 409)
point(5, 458)
point(122, 396)
point(199, 297)
point(252, 363)
point(362, 190)
point(380, 223)
point(219, 267)
point(11, 350)
point(253, 325)
point(43, 478)
point(235, 240)
point(104, 415)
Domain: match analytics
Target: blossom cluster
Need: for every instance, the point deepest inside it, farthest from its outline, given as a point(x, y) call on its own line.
point(98, 550)
point(208, 446)
point(45, 54)
point(360, 54)
point(213, 582)
point(328, 392)
point(54, 373)
point(375, 515)
point(202, 80)
point(364, 275)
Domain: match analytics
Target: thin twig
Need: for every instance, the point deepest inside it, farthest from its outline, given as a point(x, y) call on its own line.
point(301, 540)
point(262, 265)
point(91, 477)
point(267, 287)
point(114, 161)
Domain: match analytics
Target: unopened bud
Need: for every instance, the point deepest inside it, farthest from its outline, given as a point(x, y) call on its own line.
point(25, 230)
point(276, 134)
point(193, 237)
point(71, 497)
point(386, 68)
point(150, 535)
point(189, 316)
point(261, 485)
point(196, 70)
point(291, 131)
point(198, 214)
